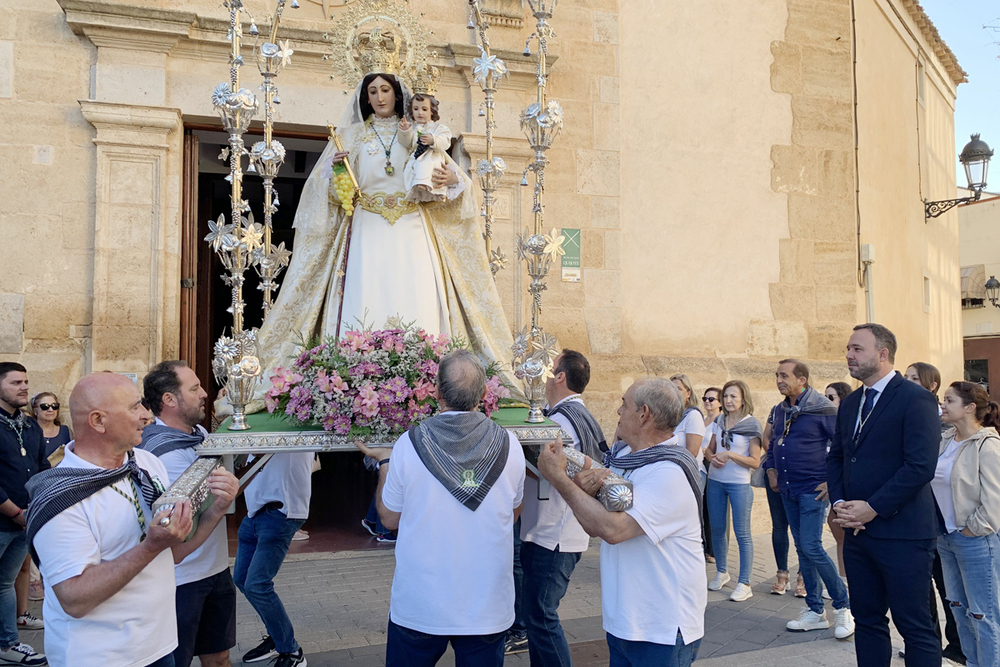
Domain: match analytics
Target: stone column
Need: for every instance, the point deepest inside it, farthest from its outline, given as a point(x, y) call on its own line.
point(134, 318)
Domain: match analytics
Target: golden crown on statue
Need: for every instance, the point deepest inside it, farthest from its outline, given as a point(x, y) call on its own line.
point(378, 36)
point(425, 81)
point(378, 52)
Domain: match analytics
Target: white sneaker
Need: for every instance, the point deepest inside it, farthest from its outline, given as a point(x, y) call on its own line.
point(22, 654)
point(741, 592)
point(29, 622)
point(721, 579)
point(808, 620)
point(844, 626)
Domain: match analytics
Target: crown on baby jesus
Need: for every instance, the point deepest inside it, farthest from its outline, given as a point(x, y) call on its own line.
point(425, 80)
point(378, 52)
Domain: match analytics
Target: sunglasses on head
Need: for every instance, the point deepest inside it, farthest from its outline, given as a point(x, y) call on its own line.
point(709, 399)
point(48, 406)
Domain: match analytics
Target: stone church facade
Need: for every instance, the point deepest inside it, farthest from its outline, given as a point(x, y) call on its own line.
point(725, 162)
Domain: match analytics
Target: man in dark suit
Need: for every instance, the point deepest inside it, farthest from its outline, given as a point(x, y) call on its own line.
point(880, 465)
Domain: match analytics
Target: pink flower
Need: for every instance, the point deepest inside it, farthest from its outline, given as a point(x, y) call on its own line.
point(283, 381)
point(423, 389)
point(270, 403)
point(441, 344)
point(367, 401)
point(358, 341)
point(342, 425)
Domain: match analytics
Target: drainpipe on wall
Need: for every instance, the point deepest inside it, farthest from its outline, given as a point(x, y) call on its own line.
point(867, 259)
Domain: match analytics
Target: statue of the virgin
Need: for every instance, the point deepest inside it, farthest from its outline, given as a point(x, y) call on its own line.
point(397, 261)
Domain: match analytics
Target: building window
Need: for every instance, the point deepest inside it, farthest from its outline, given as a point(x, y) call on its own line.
point(978, 371)
point(968, 304)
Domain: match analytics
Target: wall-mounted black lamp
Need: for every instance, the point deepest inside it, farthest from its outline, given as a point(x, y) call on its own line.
point(975, 158)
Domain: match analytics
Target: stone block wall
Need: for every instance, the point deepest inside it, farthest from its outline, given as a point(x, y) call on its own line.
point(47, 202)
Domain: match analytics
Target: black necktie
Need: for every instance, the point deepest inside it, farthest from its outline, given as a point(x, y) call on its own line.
point(866, 409)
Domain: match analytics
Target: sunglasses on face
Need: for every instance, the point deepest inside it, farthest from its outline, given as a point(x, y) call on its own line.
point(832, 398)
point(709, 399)
point(48, 406)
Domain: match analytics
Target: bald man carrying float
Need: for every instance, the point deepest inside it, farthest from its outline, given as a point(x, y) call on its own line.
point(107, 563)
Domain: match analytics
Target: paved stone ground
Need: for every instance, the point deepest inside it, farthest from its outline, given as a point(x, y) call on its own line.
point(339, 603)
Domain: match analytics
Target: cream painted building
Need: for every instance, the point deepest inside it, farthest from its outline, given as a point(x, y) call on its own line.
point(979, 230)
point(109, 177)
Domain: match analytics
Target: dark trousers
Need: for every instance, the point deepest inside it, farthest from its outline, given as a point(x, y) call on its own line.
point(518, 628)
point(626, 653)
point(411, 648)
point(779, 529)
point(546, 578)
point(165, 661)
point(950, 627)
point(706, 527)
point(891, 575)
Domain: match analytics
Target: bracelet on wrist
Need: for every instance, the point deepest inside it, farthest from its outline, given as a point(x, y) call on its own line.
point(382, 463)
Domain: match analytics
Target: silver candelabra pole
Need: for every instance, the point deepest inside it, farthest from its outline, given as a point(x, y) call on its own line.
point(534, 350)
point(266, 158)
point(489, 72)
point(243, 243)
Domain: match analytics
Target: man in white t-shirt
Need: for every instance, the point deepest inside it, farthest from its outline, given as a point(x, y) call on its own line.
point(206, 595)
point(453, 492)
point(653, 583)
point(277, 506)
point(105, 559)
point(552, 540)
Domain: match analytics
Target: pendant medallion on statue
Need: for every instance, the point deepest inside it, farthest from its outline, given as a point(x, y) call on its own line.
point(389, 171)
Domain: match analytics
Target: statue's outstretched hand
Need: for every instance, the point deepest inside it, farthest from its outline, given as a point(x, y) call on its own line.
point(340, 155)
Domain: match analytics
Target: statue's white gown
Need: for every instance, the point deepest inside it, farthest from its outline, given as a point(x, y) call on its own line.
point(393, 268)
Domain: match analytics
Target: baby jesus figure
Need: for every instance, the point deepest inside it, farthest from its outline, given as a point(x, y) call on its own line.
point(427, 140)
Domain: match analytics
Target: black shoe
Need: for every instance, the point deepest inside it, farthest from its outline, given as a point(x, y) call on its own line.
point(516, 643)
point(266, 649)
point(296, 659)
point(953, 653)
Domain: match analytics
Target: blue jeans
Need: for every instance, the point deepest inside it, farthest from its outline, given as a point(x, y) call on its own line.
point(806, 518)
point(546, 577)
point(626, 653)
point(779, 529)
point(972, 579)
point(518, 628)
point(720, 496)
point(373, 517)
point(263, 543)
point(412, 648)
point(13, 549)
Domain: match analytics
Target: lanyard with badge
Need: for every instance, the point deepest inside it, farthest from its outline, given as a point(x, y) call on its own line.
point(135, 504)
point(17, 426)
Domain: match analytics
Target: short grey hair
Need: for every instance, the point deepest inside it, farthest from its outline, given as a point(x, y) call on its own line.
point(461, 380)
point(664, 400)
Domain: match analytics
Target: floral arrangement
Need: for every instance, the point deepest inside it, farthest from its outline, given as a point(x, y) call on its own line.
point(371, 385)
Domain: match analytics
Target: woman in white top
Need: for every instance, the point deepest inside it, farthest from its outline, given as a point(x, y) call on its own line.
point(734, 450)
point(966, 486)
point(691, 431)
